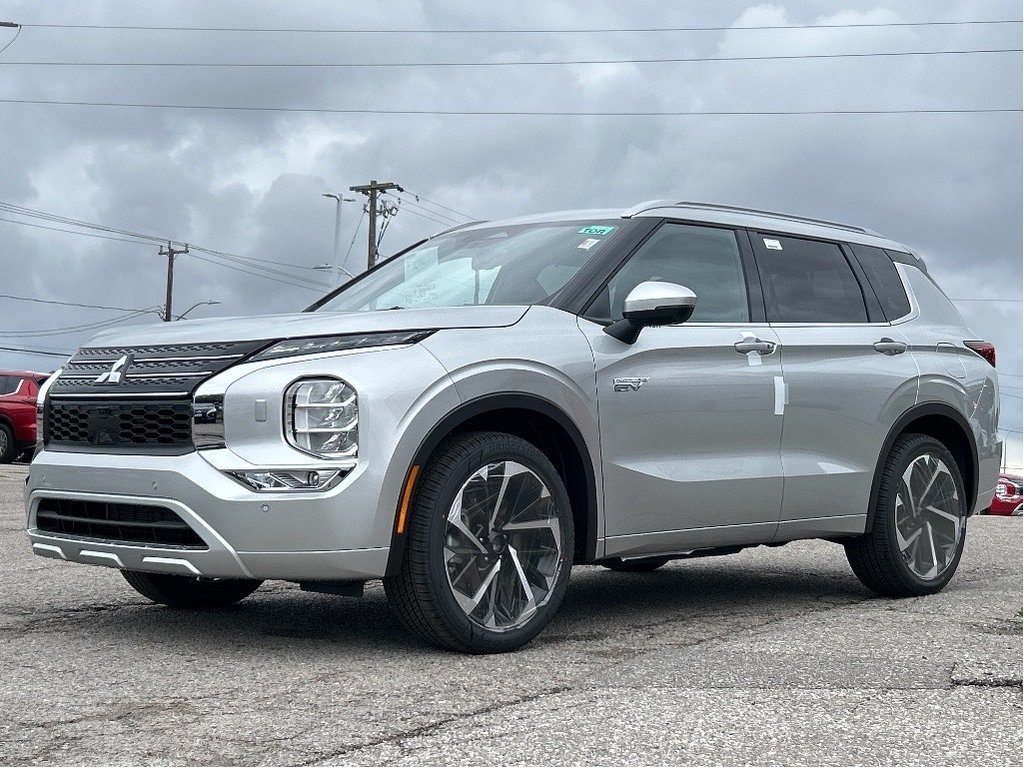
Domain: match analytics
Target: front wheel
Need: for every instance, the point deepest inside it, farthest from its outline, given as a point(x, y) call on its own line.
point(190, 592)
point(489, 546)
point(920, 521)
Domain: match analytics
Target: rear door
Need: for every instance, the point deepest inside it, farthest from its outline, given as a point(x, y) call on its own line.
point(847, 373)
point(689, 430)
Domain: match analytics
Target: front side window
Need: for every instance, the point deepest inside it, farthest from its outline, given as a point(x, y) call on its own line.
point(704, 259)
point(808, 281)
point(510, 265)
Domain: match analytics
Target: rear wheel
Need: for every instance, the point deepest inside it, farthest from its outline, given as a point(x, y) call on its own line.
point(920, 521)
point(641, 565)
point(190, 592)
point(489, 547)
point(7, 449)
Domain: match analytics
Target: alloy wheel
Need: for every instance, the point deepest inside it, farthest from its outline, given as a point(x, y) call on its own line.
point(502, 546)
point(929, 517)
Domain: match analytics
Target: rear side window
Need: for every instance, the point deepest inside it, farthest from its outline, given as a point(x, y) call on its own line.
point(808, 281)
point(9, 385)
point(884, 279)
point(704, 259)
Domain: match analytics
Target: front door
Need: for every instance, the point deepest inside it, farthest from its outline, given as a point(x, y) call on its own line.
point(690, 415)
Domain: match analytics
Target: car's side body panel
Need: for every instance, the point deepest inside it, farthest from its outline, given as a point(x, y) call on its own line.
point(953, 375)
point(547, 358)
point(841, 398)
point(690, 437)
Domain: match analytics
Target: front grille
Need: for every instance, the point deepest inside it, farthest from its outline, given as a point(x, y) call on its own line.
point(168, 370)
point(134, 399)
point(129, 426)
point(140, 524)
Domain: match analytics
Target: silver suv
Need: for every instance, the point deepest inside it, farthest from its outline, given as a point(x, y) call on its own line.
point(492, 405)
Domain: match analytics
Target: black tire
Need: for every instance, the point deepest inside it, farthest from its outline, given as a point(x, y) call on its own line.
point(643, 565)
point(875, 557)
point(420, 593)
point(188, 592)
point(7, 449)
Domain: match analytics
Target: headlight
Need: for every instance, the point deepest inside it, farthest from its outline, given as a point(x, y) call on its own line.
point(322, 418)
point(318, 345)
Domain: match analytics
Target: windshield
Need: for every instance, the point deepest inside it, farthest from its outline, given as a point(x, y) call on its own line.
point(522, 264)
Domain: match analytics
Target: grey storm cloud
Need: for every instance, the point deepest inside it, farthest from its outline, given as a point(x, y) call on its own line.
point(250, 183)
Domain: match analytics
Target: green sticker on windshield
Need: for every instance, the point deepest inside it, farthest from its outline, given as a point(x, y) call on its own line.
point(595, 230)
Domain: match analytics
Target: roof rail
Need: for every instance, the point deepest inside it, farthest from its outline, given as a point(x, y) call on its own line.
point(755, 212)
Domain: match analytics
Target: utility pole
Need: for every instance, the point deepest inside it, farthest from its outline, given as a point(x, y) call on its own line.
point(372, 190)
point(170, 252)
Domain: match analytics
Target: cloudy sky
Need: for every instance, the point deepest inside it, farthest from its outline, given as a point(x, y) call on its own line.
point(249, 183)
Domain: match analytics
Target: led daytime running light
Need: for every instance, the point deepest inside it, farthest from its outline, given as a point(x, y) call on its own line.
point(319, 345)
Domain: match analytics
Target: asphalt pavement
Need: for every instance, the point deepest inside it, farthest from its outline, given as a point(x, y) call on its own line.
point(771, 656)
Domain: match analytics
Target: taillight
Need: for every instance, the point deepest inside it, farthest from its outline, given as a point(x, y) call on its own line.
point(985, 349)
point(1005, 490)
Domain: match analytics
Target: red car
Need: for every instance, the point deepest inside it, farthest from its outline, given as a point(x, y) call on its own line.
point(18, 391)
point(1008, 499)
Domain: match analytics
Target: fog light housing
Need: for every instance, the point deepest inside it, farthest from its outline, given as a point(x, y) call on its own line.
point(322, 418)
point(278, 480)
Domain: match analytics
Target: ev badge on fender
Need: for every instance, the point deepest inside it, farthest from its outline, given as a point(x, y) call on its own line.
point(629, 383)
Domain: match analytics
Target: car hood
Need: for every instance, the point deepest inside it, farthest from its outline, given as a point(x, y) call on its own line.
point(309, 324)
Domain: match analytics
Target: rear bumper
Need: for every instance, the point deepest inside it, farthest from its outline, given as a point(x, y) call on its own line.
point(316, 536)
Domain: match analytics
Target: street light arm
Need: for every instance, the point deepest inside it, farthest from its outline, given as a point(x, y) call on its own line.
point(197, 304)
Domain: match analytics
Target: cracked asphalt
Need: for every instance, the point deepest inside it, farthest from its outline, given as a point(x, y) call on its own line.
point(771, 656)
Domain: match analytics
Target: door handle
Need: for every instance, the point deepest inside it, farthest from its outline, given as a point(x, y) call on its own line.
point(760, 346)
point(888, 346)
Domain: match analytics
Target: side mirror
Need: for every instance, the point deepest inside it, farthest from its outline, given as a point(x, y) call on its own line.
point(652, 303)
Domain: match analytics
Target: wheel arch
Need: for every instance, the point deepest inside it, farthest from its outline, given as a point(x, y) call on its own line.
point(948, 426)
point(540, 422)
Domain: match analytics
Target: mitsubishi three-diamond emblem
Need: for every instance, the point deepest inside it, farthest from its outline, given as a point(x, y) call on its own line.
point(116, 373)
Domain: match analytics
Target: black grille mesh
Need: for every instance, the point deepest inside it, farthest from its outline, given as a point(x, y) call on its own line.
point(123, 523)
point(128, 424)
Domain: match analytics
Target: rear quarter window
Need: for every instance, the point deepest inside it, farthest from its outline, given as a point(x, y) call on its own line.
point(884, 279)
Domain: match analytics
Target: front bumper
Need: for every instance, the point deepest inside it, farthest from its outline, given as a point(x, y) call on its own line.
point(316, 536)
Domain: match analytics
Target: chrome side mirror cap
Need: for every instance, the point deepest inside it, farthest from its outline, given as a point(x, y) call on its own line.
point(652, 303)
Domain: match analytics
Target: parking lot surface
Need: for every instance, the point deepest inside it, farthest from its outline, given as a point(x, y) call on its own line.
point(774, 655)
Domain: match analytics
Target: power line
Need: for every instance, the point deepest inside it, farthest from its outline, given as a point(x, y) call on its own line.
point(445, 207)
point(234, 258)
point(78, 328)
point(52, 217)
point(39, 352)
point(435, 216)
point(576, 30)
point(523, 63)
point(75, 232)
point(264, 276)
point(430, 218)
point(145, 239)
point(69, 303)
point(516, 113)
